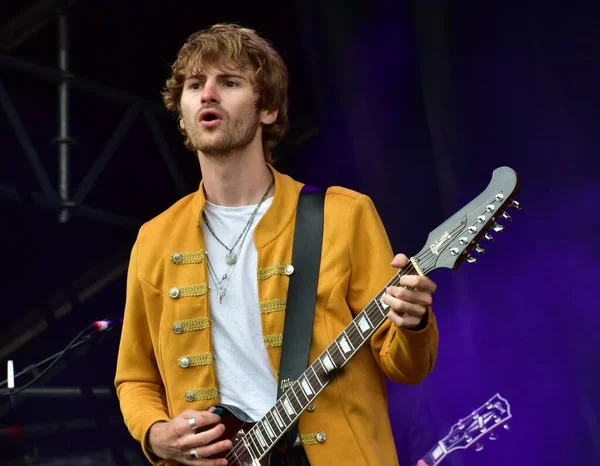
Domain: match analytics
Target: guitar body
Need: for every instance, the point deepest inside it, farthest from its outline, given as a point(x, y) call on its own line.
point(237, 424)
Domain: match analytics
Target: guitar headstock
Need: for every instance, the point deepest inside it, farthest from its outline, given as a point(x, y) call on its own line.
point(452, 242)
point(481, 422)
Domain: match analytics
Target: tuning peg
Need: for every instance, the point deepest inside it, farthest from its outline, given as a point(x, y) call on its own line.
point(479, 447)
point(479, 249)
point(506, 427)
point(516, 205)
point(497, 227)
point(489, 238)
point(471, 259)
point(505, 216)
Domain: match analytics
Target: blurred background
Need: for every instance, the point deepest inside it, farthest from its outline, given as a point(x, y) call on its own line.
point(414, 103)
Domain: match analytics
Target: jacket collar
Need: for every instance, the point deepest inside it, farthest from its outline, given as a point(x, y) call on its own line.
point(278, 216)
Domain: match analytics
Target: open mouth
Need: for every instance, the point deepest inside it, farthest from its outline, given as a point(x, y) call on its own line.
point(209, 115)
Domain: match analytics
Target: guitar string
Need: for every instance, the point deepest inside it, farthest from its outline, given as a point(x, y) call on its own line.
point(426, 255)
point(353, 329)
point(312, 379)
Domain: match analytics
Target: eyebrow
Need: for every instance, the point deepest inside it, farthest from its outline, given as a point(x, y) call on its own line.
point(219, 76)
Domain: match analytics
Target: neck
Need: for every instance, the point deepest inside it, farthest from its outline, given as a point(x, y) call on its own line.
point(235, 179)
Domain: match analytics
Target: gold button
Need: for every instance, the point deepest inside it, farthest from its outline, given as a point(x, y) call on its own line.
point(289, 269)
point(189, 396)
point(177, 257)
point(184, 362)
point(311, 407)
point(178, 328)
point(321, 437)
point(174, 293)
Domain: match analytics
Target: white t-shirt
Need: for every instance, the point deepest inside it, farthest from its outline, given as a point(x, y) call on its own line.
point(244, 373)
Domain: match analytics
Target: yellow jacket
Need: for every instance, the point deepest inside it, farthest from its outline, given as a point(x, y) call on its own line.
point(165, 358)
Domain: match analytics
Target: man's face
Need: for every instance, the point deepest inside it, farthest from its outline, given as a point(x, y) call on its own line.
point(219, 109)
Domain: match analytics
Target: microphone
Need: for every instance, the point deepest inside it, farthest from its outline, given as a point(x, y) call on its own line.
point(104, 325)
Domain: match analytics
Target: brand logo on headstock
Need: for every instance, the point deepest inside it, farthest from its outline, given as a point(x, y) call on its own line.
point(435, 247)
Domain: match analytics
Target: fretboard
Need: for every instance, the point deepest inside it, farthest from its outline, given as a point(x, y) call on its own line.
point(301, 393)
point(435, 456)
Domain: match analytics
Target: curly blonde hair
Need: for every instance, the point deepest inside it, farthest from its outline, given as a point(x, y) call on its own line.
point(244, 48)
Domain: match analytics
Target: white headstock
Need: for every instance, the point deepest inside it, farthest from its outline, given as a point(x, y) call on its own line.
point(481, 422)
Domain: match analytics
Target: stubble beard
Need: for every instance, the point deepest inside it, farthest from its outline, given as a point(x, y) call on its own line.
point(231, 135)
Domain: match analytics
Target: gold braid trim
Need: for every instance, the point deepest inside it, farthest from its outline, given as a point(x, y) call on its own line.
point(273, 305)
point(190, 257)
point(193, 325)
point(191, 291)
point(268, 272)
point(202, 359)
point(309, 439)
point(272, 341)
point(201, 394)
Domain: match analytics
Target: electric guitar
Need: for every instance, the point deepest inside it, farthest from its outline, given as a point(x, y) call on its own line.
point(447, 246)
point(466, 432)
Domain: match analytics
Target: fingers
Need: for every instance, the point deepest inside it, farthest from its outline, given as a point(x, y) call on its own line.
point(399, 261)
point(202, 418)
point(200, 439)
point(407, 306)
point(419, 282)
point(405, 320)
point(205, 461)
point(422, 298)
point(212, 449)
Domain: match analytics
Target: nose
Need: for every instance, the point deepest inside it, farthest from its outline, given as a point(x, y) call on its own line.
point(210, 93)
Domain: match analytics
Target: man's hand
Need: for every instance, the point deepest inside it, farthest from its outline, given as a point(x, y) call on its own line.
point(421, 463)
point(180, 440)
point(410, 300)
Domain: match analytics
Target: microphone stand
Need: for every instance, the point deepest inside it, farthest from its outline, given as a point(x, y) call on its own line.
point(80, 339)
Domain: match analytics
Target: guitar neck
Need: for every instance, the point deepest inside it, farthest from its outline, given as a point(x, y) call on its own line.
point(303, 391)
point(435, 455)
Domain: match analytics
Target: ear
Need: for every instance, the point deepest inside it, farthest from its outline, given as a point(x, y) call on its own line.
point(181, 124)
point(268, 117)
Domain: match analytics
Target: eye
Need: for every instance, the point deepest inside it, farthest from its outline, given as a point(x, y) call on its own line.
point(195, 85)
point(230, 84)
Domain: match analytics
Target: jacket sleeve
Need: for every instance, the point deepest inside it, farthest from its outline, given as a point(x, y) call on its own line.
point(405, 356)
point(138, 382)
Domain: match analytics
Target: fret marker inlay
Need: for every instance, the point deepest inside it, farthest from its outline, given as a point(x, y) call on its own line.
point(345, 346)
point(288, 407)
point(364, 324)
point(278, 419)
point(268, 429)
point(328, 363)
point(306, 387)
point(261, 439)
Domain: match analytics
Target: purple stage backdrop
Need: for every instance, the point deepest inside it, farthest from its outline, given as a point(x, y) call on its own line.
point(416, 102)
point(501, 87)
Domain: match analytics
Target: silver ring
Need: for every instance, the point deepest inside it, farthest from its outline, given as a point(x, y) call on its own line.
point(192, 423)
point(195, 454)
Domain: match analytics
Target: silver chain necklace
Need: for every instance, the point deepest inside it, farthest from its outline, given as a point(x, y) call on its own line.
point(231, 257)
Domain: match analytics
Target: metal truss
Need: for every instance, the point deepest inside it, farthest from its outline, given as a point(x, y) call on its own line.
point(62, 201)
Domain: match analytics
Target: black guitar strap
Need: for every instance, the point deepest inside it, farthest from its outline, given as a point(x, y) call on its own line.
point(302, 292)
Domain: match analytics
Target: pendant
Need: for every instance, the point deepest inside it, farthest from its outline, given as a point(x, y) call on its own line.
point(230, 258)
point(221, 292)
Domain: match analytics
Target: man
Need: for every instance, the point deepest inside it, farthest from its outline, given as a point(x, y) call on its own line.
point(208, 278)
